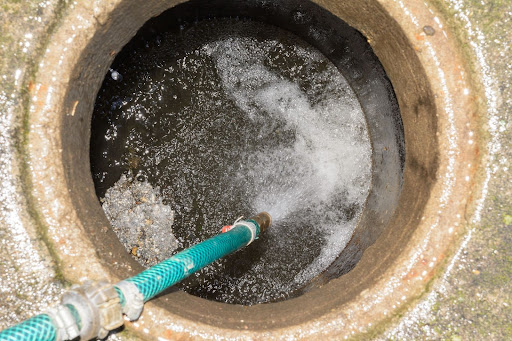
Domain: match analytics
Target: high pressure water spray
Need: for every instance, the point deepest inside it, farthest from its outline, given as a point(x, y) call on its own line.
point(95, 308)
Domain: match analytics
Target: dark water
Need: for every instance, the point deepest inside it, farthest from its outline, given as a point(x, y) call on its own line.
point(229, 117)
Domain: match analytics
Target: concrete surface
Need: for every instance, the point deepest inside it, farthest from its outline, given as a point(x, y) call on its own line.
point(472, 300)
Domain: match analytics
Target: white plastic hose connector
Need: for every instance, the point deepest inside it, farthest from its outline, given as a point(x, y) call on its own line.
point(64, 321)
point(98, 306)
point(134, 300)
point(251, 226)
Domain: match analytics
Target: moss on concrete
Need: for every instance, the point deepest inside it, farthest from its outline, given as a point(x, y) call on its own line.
point(31, 72)
point(15, 15)
point(475, 300)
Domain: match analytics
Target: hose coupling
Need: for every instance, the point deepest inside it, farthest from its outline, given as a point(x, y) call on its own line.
point(66, 324)
point(256, 224)
point(251, 226)
point(97, 306)
point(133, 299)
point(263, 219)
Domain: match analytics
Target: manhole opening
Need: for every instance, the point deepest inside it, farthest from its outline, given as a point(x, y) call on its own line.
point(217, 111)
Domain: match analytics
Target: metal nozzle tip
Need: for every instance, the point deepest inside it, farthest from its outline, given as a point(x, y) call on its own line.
point(263, 219)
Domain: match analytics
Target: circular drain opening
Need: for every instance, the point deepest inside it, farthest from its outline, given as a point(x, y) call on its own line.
point(430, 81)
point(228, 116)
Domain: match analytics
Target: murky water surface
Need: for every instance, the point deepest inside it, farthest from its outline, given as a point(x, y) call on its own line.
point(225, 118)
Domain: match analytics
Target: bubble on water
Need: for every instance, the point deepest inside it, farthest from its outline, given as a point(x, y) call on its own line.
point(115, 75)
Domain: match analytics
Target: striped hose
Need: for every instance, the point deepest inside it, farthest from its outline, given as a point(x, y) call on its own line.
point(132, 292)
point(154, 280)
point(37, 328)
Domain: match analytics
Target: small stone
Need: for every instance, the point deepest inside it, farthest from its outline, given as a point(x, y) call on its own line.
point(429, 30)
point(476, 272)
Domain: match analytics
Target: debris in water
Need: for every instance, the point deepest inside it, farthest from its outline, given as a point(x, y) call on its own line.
point(141, 221)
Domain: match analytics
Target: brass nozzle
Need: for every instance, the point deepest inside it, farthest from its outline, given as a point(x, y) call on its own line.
point(263, 219)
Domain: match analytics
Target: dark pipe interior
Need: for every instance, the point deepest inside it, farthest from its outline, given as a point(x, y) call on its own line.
point(344, 47)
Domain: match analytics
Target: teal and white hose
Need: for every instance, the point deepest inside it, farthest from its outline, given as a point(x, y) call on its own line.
point(93, 309)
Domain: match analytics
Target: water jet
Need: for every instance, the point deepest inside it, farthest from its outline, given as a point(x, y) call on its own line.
point(227, 114)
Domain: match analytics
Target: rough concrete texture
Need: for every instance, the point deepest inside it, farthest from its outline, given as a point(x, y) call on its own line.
point(471, 300)
point(28, 281)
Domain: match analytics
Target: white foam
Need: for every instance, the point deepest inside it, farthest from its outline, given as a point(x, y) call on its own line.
point(331, 156)
point(141, 221)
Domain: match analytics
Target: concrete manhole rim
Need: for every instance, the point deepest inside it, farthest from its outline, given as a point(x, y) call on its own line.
point(420, 260)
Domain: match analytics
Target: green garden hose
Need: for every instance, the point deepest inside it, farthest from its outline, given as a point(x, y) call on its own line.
point(93, 309)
